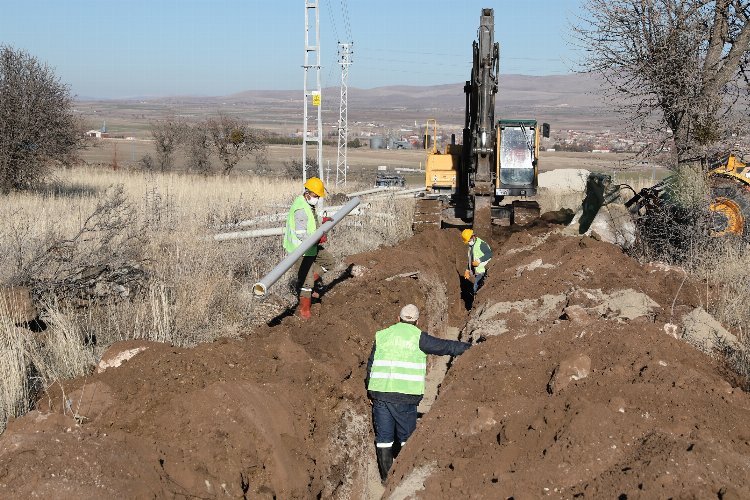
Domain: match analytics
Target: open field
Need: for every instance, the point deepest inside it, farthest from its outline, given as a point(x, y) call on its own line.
point(363, 162)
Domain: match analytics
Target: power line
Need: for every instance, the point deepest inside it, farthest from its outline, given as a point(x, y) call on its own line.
point(462, 56)
point(345, 12)
point(333, 21)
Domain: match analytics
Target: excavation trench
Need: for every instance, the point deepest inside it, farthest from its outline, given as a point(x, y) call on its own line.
point(445, 303)
point(282, 412)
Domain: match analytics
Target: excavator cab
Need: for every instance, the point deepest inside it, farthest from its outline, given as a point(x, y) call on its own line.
point(518, 156)
point(517, 170)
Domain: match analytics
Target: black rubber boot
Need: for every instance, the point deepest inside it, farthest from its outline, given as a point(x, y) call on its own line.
point(385, 460)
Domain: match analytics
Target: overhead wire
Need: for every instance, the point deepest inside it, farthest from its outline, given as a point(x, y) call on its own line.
point(333, 20)
point(328, 79)
point(463, 56)
point(347, 24)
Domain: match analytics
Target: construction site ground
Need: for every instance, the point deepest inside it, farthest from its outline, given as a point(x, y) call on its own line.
point(579, 387)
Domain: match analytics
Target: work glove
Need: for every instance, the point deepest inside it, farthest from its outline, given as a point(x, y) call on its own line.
point(475, 263)
point(467, 274)
point(326, 219)
point(323, 239)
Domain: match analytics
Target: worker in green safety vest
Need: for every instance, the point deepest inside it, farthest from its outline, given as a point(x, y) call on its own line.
point(478, 256)
point(395, 381)
point(301, 222)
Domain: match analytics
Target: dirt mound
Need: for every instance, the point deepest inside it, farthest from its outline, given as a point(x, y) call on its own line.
point(575, 390)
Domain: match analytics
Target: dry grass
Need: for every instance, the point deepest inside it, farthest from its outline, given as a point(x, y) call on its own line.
point(723, 266)
point(196, 290)
point(679, 234)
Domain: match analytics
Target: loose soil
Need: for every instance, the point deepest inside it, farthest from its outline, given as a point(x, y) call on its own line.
point(572, 390)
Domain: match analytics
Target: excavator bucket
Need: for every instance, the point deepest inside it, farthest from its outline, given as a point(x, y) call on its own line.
point(525, 212)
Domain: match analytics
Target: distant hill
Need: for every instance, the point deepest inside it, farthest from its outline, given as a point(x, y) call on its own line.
point(566, 101)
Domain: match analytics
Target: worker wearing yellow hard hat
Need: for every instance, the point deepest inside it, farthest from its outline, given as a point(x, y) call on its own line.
point(478, 256)
point(301, 222)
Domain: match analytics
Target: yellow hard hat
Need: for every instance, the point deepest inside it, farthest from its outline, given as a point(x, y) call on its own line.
point(466, 235)
point(315, 185)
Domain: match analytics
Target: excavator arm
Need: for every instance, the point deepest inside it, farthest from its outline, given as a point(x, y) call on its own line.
point(479, 129)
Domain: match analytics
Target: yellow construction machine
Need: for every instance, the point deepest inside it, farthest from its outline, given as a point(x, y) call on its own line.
point(729, 179)
point(729, 205)
point(496, 159)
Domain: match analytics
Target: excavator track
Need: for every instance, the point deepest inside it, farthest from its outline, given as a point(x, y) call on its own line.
point(427, 215)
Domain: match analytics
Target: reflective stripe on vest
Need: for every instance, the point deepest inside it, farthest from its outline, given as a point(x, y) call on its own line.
point(476, 253)
point(398, 365)
point(291, 239)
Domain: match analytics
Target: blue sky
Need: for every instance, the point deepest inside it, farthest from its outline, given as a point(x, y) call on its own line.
point(114, 49)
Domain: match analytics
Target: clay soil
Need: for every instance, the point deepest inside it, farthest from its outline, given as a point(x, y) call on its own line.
point(282, 412)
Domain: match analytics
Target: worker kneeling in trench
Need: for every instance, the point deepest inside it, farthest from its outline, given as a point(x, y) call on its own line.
point(396, 377)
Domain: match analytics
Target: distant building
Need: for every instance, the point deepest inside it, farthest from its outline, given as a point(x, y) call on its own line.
point(97, 134)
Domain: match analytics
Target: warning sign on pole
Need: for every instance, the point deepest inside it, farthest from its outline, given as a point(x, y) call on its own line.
point(316, 98)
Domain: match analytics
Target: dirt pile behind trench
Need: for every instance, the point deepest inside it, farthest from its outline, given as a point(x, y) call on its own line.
point(578, 392)
point(282, 412)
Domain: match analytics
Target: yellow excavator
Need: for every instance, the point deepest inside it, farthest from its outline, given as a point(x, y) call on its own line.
point(496, 159)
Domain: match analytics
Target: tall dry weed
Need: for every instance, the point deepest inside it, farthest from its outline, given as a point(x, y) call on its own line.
point(679, 232)
point(194, 289)
point(14, 372)
point(29, 362)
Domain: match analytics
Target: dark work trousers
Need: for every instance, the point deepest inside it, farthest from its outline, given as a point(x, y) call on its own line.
point(478, 281)
point(393, 421)
point(306, 267)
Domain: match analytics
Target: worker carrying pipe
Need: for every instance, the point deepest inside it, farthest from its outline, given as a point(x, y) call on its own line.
point(301, 222)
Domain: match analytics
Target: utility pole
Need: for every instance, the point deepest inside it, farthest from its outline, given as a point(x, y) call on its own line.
point(312, 93)
point(345, 60)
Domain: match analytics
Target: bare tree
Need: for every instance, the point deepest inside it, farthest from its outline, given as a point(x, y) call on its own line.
point(198, 141)
point(104, 258)
point(292, 169)
point(37, 124)
point(681, 62)
point(233, 140)
point(168, 134)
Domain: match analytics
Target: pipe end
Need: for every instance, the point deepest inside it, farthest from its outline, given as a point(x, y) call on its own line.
point(259, 289)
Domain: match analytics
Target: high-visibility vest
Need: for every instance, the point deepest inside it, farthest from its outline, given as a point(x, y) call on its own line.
point(291, 239)
point(476, 253)
point(398, 365)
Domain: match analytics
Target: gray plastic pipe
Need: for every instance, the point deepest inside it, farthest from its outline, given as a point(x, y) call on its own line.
point(255, 233)
point(272, 277)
